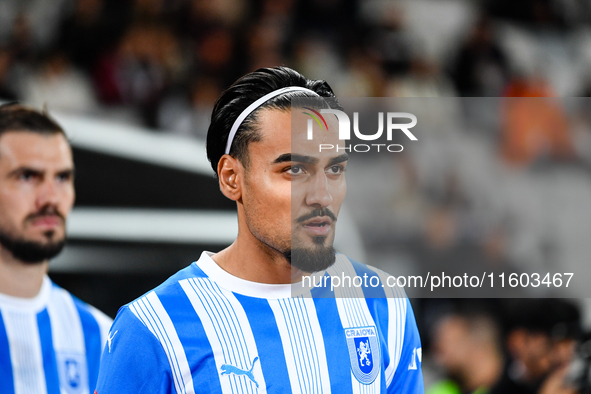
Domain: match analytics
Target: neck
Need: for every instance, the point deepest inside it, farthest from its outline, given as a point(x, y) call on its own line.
point(20, 279)
point(483, 370)
point(250, 259)
point(257, 263)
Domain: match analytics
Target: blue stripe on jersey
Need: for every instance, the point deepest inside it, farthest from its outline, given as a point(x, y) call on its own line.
point(192, 336)
point(409, 381)
point(268, 342)
point(48, 353)
point(331, 327)
point(92, 343)
point(322, 291)
point(369, 291)
point(6, 380)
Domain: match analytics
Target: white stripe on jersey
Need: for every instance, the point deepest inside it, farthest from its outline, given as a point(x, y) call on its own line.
point(67, 336)
point(396, 325)
point(66, 327)
point(25, 352)
point(229, 333)
point(303, 344)
point(149, 310)
point(353, 312)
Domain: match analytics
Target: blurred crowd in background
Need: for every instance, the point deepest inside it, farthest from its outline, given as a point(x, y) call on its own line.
point(513, 194)
point(521, 346)
point(162, 63)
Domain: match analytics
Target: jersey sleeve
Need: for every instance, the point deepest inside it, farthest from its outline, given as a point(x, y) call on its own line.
point(133, 360)
point(408, 378)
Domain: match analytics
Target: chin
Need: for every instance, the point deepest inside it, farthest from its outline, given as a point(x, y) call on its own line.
point(312, 259)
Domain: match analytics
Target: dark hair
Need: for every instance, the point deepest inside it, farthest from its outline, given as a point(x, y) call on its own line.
point(17, 117)
point(244, 92)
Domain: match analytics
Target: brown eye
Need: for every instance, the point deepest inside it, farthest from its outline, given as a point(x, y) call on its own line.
point(295, 170)
point(336, 170)
point(27, 176)
point(64, 177)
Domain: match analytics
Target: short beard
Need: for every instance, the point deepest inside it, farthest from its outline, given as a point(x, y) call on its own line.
point(31, 252)
point(311, 260)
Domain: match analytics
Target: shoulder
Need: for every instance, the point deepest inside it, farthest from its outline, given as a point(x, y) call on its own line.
point(64, 301)
point(383, 297)
point(373, 281)
point(134, 359)
point(345, 263)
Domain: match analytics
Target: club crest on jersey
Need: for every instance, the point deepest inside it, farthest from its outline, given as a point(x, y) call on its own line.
point(364, 353)
point(72, 372)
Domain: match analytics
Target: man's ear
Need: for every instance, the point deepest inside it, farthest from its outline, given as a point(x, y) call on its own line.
point(230, 174)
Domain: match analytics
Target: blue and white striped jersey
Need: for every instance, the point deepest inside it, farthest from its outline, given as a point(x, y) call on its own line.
point(51, 343)
point(206, 331)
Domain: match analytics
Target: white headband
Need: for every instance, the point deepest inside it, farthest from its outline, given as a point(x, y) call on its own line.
point(257, 104)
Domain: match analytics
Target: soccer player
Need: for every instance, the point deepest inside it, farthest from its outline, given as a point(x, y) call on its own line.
point(50, 341)
point(229, 323)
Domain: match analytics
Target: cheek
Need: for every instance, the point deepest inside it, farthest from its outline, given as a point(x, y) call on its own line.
point(15, 199)
point(68, 196)
point(271, 199)
point(14, 210)
point(278, 203)
point(298, 198)
point(338, 196)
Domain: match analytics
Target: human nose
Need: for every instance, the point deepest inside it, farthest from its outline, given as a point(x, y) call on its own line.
point(319, 195)
point(47, 194)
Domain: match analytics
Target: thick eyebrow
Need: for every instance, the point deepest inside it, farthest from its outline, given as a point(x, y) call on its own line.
point(38, 172)
point(287, 157)
point(23, 169)
point(338, 159)
point(71, 172)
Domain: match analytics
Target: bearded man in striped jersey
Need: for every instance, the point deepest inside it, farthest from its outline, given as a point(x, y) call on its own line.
point(50, 342)
point(234, 321)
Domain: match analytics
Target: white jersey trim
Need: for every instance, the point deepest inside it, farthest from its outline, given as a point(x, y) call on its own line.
point(245, 287)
